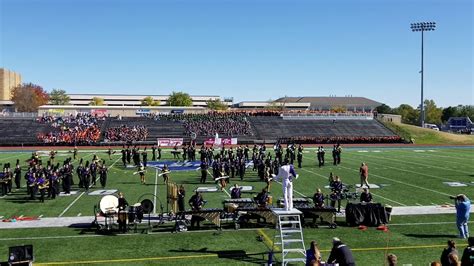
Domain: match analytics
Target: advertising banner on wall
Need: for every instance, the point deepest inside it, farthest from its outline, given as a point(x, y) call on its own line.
point(170, 142)
point(221, 141)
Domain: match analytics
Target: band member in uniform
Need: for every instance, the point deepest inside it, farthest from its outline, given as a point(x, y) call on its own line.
point(365, 196)
point(181, 196)
point(268, 178)
point(364, 175)
point(336, 194)
point(109, 153)
point(93, 170)
point(204, 166)
point(145, 157)
point(128, 153)
point(236, 192)
point(86, 174)
point(122, 215)
point(141, 172)
point(300, 156)
point(103, 174)
point(175, 152)
point(338, 153)
point(17, 174)
point(74, 153)
point(287, 174)
point(318, 199)
point(153, 152)
point(42, 186)
point(53, 185)
point(52, 155)
point(334, 155)
point(196, 202)
point(124, 157)
point(159, 152)
point(262, 198)
point(165, 171)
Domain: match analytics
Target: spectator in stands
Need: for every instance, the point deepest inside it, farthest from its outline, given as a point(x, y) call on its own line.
point(340, 253)
point(313, 256)
point(126, 133)
point(392, 260)
point(448, 252)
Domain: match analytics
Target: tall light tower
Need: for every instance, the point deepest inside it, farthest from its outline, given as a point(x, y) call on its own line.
point(422, 26)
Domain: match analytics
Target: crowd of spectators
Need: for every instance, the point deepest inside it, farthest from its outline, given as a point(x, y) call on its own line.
point(126, 133)
point(342, 139)
point(223, 123)
point(72, 129)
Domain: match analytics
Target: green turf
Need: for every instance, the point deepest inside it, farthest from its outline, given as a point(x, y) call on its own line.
point(410, 177)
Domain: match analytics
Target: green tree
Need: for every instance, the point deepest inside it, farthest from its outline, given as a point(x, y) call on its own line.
point(432, 112)
point(466, 110)
point(449, 112)
point(97, 101)
point(149, 101)
point(408, 113)
point(28, 97)
point(384, 109)
point(217, 104)
point(275, 106)
point(58, 97)
point(180, 99)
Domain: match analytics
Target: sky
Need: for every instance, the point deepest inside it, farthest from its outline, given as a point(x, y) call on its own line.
point(248, 50)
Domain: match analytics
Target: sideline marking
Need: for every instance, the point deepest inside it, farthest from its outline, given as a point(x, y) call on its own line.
point(72, 203)
point(267, 239)
point(128, 260)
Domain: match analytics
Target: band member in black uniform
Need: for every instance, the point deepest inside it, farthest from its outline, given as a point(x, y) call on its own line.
point(30, 182)
point(300, 156)
point(3, 184)
point(8, 178)
point(103, 174)
point(241, 168)
point(52, 155)
point(145, 157)
point(159, 152)
point(136, 156)
point(338, 153)
point(109, 153)
point(86, 174)
point(53, 185)
point(185, 153)
point(337, 193)
point(153, 152)
point(318, 199)
point(165, 171)
point(236, 192)
point(321, 152)
point(141, 172)
point(365, 196)
point(93, 170)
point(204, 166)
point(42, 186)
point(74, 153)
point(67, 177)
point(196, 202)
point(175, 152)
point(181, 196)
point(124, 157)
point(262, 198)
point(122, 216)
point(334, 155)
point(80, 173)
point(17, 174)
point(128, 154)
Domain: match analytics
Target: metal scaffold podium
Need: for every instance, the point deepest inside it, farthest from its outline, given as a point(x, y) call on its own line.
point(289, 236)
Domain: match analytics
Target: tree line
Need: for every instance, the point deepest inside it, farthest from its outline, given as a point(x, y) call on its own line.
point(433, 113)
point(28, 97)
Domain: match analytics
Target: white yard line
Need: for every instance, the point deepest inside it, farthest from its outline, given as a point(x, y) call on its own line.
point(225, 190)
point(156, 187)
point(400, 182)
point(399, 203)
point(413, 172)
point(75, 200)
point(420, 164)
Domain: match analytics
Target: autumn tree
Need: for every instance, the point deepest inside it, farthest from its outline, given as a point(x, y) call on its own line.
point(28, 97)
point(58, 97)
point(180, 99)
point(149, 101)
point(432, 112)
point(97, 101)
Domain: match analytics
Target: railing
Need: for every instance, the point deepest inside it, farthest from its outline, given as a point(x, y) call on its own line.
point(18, 114)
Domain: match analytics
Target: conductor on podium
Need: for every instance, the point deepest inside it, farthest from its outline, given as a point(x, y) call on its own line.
point(288, 175)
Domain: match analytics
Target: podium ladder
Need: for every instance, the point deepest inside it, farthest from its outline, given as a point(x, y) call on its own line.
point(289, 236)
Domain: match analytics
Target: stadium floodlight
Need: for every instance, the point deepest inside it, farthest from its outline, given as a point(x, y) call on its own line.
point(422, 26)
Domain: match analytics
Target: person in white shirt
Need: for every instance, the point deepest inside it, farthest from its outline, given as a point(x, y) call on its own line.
point(288, 175)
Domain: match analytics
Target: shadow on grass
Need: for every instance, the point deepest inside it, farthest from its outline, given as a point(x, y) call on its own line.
point(237, 255)
point(431, 235)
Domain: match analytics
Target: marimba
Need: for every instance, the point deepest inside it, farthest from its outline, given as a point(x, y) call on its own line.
point(212, 215)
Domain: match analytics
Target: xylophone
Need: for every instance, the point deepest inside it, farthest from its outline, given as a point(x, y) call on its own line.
point(247, 213)
point(212, 215)
point(231, 205)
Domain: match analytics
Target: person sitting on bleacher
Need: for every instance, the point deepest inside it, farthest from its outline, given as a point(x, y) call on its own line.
point(236, 192)
point(262, 198)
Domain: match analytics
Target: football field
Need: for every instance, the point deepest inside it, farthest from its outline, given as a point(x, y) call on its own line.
point(412, 176)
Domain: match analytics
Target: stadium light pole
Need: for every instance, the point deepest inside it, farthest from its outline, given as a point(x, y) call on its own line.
point(422, 26)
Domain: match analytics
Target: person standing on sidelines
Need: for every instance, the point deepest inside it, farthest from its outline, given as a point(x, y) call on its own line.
point(463, 207)
point(364, 175)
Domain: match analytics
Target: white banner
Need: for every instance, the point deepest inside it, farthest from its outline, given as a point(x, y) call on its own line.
point(170, 142)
